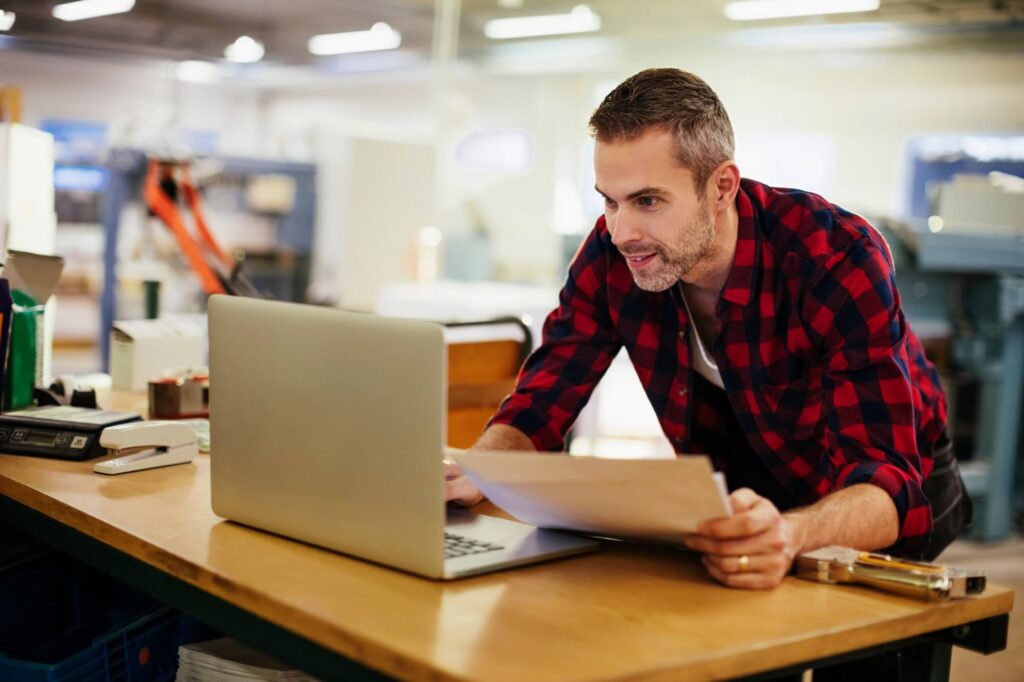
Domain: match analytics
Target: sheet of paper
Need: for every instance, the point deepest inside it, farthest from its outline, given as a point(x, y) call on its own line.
point(643, 499)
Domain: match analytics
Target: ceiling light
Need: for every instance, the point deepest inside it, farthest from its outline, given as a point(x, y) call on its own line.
point(196, 72)
point(244, 50)
point(580, 20)
point(88, 9)
point(380, 36)
point(6, 20)
point(749, 10)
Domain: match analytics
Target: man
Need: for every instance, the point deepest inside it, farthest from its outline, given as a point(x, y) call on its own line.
point(766, 329)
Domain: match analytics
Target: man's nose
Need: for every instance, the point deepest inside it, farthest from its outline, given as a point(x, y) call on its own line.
point(623, 228)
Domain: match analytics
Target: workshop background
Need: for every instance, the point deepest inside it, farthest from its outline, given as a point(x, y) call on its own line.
point(434, 161)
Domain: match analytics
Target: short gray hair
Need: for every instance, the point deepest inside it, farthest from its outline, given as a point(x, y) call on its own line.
point(677, 101)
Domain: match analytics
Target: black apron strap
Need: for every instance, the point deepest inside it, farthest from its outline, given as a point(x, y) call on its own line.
point(952, 509)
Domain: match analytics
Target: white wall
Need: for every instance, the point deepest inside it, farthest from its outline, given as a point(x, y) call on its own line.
point(144, 97)
point(375, 197)
point(863, 105)
point(514, 208)
point(870, 104)
point(376, 183)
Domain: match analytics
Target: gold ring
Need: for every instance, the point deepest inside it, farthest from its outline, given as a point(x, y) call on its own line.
point(744, 562)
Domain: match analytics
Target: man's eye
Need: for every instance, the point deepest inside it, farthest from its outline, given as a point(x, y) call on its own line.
point(647, 202)
point(609, 203)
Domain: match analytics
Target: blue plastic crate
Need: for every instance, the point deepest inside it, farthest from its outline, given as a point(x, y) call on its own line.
point(62, 621)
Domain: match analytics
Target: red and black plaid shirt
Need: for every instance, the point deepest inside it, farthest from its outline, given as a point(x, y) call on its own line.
point(825, 384)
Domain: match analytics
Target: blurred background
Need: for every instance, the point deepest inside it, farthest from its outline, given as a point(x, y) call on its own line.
point(431, 159)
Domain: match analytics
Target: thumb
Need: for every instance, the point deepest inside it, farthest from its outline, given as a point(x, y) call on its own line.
point(743, 499)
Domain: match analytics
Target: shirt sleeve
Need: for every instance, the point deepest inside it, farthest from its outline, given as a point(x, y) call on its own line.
point(854, 312)
point(579, 342)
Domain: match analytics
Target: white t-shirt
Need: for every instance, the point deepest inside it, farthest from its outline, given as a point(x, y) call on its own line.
point(703, 363)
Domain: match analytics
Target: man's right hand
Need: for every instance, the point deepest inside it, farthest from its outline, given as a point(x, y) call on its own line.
point(457, 486)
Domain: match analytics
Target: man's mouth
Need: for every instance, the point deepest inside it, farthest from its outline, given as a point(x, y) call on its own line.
point(639, 261)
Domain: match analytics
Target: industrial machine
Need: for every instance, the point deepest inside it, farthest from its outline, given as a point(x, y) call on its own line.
point(960, 271)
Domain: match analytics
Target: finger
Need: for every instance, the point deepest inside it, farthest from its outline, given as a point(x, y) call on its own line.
point(743, 498)
point(747, 580)
point(744, 563)
point(739, 501)
point(755, 518)
point(766, 564)
point(451, 470)
point(766, 542)
point(462, 491)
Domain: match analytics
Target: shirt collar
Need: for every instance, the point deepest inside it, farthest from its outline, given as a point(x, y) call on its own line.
point(739, 287)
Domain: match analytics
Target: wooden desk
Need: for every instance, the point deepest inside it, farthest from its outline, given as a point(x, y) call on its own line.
point(627, 611)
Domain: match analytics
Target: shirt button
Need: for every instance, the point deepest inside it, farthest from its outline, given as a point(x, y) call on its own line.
point(682, 392)
point(682, 335)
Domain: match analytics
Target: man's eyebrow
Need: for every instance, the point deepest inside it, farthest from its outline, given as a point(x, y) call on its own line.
point(642, 192)
point(647, 192)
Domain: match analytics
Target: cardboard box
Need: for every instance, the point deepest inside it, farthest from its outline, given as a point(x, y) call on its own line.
point(141, 350)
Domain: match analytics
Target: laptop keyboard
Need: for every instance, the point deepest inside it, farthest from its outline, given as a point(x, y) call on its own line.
point(459, 545)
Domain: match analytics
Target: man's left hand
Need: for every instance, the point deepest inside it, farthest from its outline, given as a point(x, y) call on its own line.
point(752, 549)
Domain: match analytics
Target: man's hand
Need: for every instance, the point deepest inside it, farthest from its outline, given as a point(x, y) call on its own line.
point(753, 549)
point(457, 486)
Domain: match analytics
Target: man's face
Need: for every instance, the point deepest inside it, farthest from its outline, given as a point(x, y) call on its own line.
point(653, 212)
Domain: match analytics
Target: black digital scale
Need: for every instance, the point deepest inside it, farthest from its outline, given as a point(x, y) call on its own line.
point(58, 431)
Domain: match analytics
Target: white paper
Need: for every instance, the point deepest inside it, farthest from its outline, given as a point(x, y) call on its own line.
point(643, 499)
point(228, 660)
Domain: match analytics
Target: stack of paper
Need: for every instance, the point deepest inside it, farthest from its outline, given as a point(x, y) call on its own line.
point(644, 499)
point(227, 660)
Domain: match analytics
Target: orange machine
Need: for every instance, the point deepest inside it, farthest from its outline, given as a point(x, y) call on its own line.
point(217, 271)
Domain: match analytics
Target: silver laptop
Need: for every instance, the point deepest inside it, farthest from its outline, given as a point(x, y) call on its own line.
point(328, 427)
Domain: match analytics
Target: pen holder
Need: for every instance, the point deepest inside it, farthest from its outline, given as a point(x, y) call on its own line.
point(24, 361)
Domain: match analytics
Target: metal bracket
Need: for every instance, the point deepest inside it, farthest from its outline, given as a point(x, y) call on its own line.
point(984, 636)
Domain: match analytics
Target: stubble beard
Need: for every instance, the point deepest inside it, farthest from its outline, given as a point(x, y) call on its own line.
point(679, 259)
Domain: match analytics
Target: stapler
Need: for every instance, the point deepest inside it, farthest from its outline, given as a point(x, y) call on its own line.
point(147, 445)
point(911, 578)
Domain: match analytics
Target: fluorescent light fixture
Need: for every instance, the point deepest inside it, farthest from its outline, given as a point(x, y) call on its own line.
point(581, 19)
point(751, 10)
point(88, 9)
point(196, 72)
point(838, 36)
point(6, 20)
point(245, 50)
point(380, 36)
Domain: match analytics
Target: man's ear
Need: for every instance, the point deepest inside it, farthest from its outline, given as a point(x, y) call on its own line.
point(725, 183)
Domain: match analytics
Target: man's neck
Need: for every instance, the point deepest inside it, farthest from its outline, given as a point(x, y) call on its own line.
point(709, 275)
